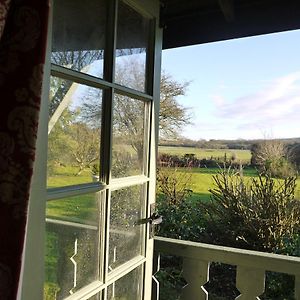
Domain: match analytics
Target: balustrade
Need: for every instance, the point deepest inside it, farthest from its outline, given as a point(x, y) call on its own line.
point(250, 274)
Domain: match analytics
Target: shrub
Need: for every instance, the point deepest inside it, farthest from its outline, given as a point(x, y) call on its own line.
point(180, 220)
point(256, 213)
point(173, 184)
point(259, 214)
point(273, 157)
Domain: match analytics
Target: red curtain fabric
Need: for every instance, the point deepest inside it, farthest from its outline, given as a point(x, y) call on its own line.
point(23, 33)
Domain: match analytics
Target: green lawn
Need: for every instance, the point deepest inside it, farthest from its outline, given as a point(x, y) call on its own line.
point(241, 155)
point(202, 181)
point(66, 175)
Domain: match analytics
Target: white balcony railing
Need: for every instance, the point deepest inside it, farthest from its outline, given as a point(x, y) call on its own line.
point(251, 267)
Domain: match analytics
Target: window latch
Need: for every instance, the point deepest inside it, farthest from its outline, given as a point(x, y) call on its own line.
point(154, 219)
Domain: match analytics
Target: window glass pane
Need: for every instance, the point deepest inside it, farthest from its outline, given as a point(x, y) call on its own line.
point(98, 296)
point(128, 150)
point(125, 238)
point(72, 242)
point(73, 133)
point(132, 48)
point(129, 287)
point(79, 35)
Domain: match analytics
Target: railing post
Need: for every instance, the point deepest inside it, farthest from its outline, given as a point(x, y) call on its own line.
point(155, 282)
point(250, 282)
point(196, 273)
point(297, 287)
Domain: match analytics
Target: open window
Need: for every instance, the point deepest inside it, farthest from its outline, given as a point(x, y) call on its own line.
point(101, 109)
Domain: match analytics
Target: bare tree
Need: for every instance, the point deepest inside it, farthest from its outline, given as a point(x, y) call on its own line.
point(128, 114)
point(85, 145)
point(272, 156)
point(172, 115)
point(75, 60)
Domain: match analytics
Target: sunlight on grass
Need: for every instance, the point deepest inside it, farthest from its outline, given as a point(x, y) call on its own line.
point(65, 176)
point(202, 181)
point(80, 209)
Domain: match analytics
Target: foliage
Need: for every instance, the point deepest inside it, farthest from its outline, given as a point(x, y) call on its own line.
point(128, 122)
point(242, 156)
point(72, 142)
point(180, 220)
point(122, 164)
point(50, 291)
point(170, 278)
point(129, 113)
point(254, 213)
point(272, 156)
point(95, 170)
point(84, 145)
point(294, 151)
point(258, 213)
point(172, 115)
point(190, 160)
point(173, 185)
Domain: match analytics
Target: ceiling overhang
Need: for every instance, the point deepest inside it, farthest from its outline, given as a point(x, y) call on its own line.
point(201, 21)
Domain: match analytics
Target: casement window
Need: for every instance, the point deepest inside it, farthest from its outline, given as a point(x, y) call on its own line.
point(99, 128)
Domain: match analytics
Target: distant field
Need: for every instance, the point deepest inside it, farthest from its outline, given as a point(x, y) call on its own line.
point(241, 155)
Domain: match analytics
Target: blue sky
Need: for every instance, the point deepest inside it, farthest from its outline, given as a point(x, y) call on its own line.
point(245, 88)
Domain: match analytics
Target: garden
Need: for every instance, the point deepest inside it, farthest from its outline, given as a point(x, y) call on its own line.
point(219, 200)
point(216, 196)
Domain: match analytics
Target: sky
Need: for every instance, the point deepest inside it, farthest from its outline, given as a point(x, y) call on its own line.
point(245, 88)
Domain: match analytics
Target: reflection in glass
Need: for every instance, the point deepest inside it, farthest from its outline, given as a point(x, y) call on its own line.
point(79, 35)
point(125, 238)
point(128, 136)
point(98, 296)
point(132, 48)
point(72, 241)
point(129, 287)
point(73, 133)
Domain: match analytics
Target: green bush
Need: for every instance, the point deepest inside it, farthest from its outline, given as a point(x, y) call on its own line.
point(173, 186)
point(256, 213)
point(273, 157)
point(50, 291)
point(259, 214)
point(180, 213)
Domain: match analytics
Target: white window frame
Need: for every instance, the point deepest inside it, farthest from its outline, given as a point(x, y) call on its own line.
point(32, 275)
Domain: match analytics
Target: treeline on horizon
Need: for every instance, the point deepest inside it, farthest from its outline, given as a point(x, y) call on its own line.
point(241, 144)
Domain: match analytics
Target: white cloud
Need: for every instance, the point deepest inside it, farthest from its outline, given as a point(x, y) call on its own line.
point(272, 110)
point(277, 102)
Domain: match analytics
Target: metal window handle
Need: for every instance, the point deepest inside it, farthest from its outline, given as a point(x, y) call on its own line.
point(154, 219)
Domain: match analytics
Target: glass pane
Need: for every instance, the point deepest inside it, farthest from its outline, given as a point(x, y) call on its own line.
point(79, 35)
point(129, 287)
point(74, 130)
point(98, 296)
point(128, 136)
point(125, 238)
point(132, 48)
point(72, 242)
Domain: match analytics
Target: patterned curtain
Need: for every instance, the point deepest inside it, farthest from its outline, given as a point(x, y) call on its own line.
point(23, 30)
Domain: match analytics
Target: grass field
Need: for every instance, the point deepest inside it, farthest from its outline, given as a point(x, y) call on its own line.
point(202, 181)
point(241, 155)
